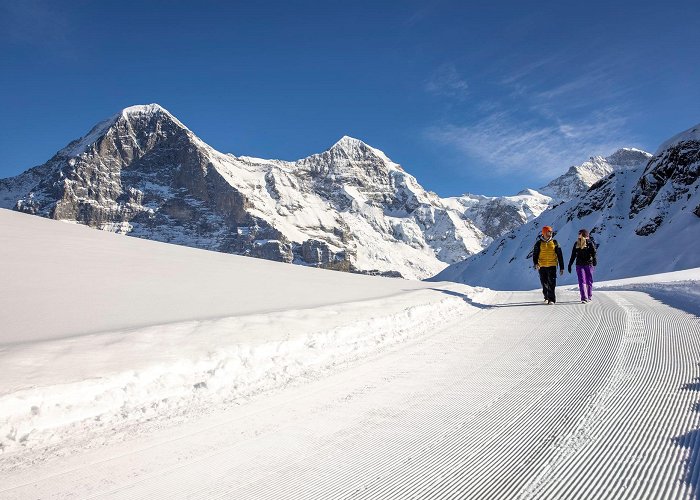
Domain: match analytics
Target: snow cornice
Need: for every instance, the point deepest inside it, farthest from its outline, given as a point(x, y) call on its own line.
point(149, 110)
point(145, 109)
point(691, 134)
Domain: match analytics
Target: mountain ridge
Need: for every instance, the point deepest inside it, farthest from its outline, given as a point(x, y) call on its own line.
point(142, 172)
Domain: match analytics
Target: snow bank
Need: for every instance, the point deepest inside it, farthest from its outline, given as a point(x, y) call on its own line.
point(80, 386)
point(680, 289)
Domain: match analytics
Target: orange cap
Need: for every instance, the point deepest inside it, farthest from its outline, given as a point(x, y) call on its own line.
point(546, 228)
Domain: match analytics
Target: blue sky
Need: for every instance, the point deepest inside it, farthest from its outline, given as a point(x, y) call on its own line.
point(481, 97)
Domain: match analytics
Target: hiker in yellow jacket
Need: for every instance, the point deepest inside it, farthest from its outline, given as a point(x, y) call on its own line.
point(545, 256)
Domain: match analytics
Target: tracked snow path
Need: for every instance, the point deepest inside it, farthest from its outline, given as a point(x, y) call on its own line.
point(521, 400)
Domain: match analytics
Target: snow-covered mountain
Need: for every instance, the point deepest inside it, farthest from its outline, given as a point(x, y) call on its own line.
point(143, 173)
point(497, 215)
point(579, 178)
point(645, 219)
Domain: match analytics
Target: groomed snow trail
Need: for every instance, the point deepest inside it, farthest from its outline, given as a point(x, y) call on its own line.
point(520, 400)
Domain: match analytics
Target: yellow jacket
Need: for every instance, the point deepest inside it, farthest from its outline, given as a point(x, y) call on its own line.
point(547, 254)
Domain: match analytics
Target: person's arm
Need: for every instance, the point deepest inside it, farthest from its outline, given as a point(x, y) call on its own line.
point(536, 254)
point(573, 257)
point(560, 258)
point(594, 252)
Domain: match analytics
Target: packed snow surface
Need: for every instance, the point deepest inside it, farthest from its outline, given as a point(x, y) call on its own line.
point(135, 369)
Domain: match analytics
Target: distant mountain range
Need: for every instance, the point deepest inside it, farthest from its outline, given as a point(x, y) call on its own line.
point(143, 173)
point(645, 219)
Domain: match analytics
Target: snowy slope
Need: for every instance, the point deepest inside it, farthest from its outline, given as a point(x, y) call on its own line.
point(646, 219)
point(135, 369)
point(99, 281)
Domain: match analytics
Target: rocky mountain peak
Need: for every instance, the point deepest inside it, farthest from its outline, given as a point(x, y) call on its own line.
point(628, 157)
point(349, 143)
point(145, 109)
point(349, 159)
point(101, 179)
point(136, 127)
point(150, 118)
point(150, 114)
point(351, 149)
point(579, 178)
point(672, 175)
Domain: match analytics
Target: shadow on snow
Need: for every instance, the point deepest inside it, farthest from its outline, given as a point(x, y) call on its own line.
point(471, 302)
point(691, 441)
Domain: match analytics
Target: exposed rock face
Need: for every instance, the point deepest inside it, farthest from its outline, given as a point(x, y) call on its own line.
point(669, 179)
point(318, 253)
point(672, 175)
point(496, 216)
point(144, 173)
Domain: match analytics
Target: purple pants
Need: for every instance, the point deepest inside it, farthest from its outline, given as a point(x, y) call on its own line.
point(585, 281)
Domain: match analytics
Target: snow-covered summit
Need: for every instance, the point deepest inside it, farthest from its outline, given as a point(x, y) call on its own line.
point(690, 135)
point(496, 215)
point(129, 120)
point(349, 144)
point(358, 150)
point(152, 111)
point(579, 178)
point(144, 109)
point(349, 154)
point(529, 192)
point(628, 157)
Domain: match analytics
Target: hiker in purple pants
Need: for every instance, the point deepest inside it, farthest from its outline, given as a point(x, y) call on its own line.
point(585, 282)
point(584, 254)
